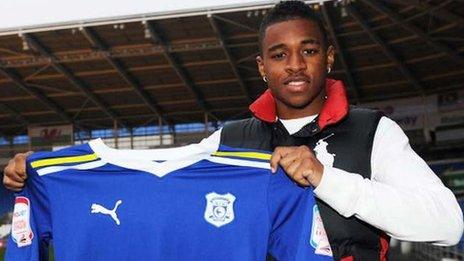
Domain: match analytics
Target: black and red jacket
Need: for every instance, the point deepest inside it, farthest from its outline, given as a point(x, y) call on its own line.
point(351, 132)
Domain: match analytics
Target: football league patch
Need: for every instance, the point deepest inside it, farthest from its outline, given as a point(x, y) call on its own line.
point(21, 231)
point(319, 240)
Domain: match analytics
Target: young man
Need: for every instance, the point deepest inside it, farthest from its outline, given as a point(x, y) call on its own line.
point(369, 183)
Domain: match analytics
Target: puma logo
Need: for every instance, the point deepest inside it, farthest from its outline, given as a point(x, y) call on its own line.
point(96, 208)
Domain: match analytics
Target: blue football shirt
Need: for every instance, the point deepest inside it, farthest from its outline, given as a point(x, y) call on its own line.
point(98, 203)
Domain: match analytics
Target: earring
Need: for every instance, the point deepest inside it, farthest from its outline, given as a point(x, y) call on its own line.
point(329, 70)
point(264, 79)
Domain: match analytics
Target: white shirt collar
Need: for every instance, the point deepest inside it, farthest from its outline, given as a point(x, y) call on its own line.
point(146, 160)
point(294, 125)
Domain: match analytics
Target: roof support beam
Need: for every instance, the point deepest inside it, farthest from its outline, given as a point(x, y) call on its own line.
point(438, 11)
point(243, 26)
point(39, 47)
point(137, 50)
point(434, 10)
point(14, 114)
point(386, 49)
point(37, 94)
point(84, 108)
point(232, 61)
point(429, 57)
point(181, 72)
point(96, 41)
point(342, 56)
point(247, 58)
point(415, 30)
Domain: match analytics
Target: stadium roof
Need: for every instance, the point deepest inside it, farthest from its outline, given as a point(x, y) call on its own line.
point(182, 66)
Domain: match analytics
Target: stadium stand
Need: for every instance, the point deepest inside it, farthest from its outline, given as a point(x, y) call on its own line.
point(167, 79)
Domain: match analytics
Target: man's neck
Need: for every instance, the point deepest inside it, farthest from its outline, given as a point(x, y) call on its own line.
point(288, 113)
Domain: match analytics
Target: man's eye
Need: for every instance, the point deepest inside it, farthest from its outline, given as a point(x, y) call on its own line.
point(278, 56)
point(310, 51)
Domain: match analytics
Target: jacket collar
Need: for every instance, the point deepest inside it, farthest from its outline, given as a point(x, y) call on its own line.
point(335, 108)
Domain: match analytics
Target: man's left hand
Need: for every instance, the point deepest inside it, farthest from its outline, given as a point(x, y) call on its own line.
point(299, 163)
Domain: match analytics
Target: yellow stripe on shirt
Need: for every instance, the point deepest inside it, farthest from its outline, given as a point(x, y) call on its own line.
point(63, 160)
point(243, 154)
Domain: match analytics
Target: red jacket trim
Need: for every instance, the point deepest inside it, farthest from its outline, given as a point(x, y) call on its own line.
point(384, 245)
point(334, 109)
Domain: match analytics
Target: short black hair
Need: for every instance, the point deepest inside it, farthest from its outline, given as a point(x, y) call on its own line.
point(290, 10)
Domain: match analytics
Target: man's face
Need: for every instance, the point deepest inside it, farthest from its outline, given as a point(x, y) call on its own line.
point(294, 61)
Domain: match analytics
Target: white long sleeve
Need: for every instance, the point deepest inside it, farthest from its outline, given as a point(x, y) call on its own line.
point(404, 197)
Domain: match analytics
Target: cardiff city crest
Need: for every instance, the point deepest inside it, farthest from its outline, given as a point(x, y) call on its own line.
point(219, 209)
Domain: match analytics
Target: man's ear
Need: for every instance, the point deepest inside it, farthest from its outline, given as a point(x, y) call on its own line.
point(260, 63)
point(330, 56)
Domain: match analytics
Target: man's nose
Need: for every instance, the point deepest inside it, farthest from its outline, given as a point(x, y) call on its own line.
point(296, 63)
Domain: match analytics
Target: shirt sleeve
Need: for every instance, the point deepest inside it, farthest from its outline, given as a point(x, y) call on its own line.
point(404, 197)
point(31, 225)
point(297, 232)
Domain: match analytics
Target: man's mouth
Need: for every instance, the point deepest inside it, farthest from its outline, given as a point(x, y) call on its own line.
point(297, 84)
point(296, 80)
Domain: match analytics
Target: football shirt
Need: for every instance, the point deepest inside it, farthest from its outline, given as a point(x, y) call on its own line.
point(98, 203)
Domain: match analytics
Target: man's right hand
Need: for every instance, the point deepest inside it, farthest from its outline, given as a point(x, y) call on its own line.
point(15, 172)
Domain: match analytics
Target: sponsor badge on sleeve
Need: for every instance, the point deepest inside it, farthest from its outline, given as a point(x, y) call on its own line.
point(319, 239)
point(21, 231)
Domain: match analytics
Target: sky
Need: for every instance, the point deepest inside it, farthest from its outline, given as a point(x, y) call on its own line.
point(23, 13)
